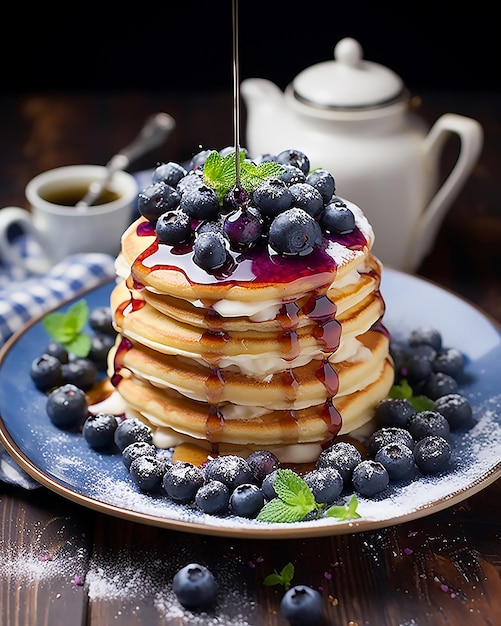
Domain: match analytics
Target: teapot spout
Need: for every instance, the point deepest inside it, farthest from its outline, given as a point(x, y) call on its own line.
point(260, 92)
point(264, 103)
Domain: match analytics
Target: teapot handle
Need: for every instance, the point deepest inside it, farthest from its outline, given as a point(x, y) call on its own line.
point(470, 134)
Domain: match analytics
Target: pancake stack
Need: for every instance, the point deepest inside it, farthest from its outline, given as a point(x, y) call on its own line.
point(275, 352)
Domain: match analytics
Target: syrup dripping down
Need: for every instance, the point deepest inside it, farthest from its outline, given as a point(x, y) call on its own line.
point(256, 266)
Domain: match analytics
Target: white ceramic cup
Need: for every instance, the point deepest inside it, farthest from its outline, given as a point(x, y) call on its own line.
point(61, 229)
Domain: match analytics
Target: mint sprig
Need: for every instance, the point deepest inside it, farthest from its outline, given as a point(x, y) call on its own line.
point(403, 391)
point(283, 578)
point(344, 512)
point(220, 172)
point(67, 328)
point(295, 500)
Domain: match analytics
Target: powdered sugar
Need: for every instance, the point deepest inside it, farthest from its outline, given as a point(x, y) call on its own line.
point(63, 459)
point(125, 577)
point(475, 459)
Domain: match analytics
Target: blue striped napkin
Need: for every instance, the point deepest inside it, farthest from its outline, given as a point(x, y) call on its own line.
point(24, 296)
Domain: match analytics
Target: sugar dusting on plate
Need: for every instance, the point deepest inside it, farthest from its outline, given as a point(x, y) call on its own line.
point(475, 455)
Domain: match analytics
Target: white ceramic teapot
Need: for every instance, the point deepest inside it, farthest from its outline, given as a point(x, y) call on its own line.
point(353, 118)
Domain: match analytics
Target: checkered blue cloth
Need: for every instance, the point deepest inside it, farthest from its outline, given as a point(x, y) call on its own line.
point(24, 296)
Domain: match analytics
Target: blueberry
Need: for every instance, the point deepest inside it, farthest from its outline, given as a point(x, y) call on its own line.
point(201, 203)
point(324, 182)
point(230, 469)
point(418, 367)
point(198, 160)
point(449, 361)
point(235, 198)
point(432, 454)
point(247, 500)
point(439, 384)
point(182, 480)
point(209, 226)
point(343, 456)
point(294, 232)
point(425, 423)
point(337, 218)
point(243, 227)
point(291, 174)
point(100, 346)
point(389, 434)
point(424, 350)
point(267, 485)
point(135, 450)
point(370, 478)
point(101, 320)
point(231, 149)
point(147, 472)
point(80, 372)
point(272, 196)
point(213, 497)
point(455, 408)
point(296, 158)
point(302, 606)
point(157, 199)
point(210, 250)
point(398, 352)
point(99, 430)
point(326, 484)
point(262, 463)
point(173, 227)
point(46, 372)
point(58, 350)
point(306, 197)
point(398, 460)
point(67, 406)
point(130, 430)
point(195, 585)
point(193, 180)
point(426, 335)
point(265, 158)
point(169, 173)
point(393, 412)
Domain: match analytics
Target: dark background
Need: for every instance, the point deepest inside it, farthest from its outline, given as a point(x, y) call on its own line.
point(186, 46)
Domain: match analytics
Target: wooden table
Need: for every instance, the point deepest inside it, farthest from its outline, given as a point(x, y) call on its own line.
point(63, 564)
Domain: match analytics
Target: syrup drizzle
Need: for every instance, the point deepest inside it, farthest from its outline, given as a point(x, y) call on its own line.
point(257, 265)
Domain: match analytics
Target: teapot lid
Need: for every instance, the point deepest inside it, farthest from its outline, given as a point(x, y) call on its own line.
point(348, 82)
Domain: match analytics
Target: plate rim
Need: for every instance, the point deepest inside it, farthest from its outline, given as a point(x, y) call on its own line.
point(271, 531)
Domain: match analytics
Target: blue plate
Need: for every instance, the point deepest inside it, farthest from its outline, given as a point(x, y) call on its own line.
point(63, 462)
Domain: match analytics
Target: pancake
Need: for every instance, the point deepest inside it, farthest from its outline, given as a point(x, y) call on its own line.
point(262, 428)
point(270, 350)
point(304, 386)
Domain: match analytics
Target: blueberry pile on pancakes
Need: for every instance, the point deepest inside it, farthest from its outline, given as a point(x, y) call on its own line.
point(248, 309)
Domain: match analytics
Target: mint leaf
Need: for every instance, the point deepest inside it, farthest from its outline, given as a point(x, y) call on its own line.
point(293, 502)
point(251, 175)
point(284, 578)
point(404, 391)
point(276, 511)
point(344, 512)
point(80, 345)
point(293, 490)
point(54, 324)
point(67, 328)
point(220, 172)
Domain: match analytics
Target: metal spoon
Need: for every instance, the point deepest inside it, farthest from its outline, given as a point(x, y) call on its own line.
point(155, 131)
